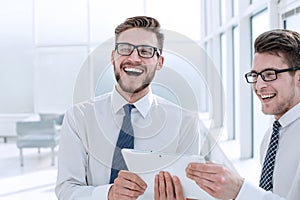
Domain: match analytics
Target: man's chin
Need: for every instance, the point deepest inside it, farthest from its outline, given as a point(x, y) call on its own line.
point(267, 111)
point(135, 90)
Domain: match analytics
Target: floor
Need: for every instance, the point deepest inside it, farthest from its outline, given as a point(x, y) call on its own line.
point(36, 180)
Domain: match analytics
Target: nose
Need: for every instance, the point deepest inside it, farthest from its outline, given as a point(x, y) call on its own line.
point(260, 83)
point(135, 55)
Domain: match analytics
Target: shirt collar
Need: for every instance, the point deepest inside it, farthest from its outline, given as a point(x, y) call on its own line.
point(290, 116)
point(143, 105)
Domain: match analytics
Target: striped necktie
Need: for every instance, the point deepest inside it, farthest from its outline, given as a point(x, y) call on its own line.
point(125, 140)
point(266, 179)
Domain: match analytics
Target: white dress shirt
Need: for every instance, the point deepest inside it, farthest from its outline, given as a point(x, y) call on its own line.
point(90, 131)
point(286, 177)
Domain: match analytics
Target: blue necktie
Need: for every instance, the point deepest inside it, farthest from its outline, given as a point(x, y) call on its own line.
point(125, 140)
point(266, 179)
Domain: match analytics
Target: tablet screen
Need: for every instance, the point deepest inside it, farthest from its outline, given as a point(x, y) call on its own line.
point(147, 164)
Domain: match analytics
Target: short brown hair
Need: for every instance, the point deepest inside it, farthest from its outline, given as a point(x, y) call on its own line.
point(280, 41)
point(145, 22)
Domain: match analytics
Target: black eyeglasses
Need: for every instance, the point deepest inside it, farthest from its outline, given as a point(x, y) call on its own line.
point(144, 51)
point(267, 74)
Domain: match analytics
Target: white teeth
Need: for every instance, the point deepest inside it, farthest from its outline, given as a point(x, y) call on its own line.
point(267, 96)
point(133, 70)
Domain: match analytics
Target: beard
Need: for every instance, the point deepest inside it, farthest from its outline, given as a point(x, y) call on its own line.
point(283, 104)
point(130, 88)
point(134, 87)
point(280, 108)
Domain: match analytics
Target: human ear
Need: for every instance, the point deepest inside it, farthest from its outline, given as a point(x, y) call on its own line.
point(112, 57)
point(297, 77)
point(160, 62)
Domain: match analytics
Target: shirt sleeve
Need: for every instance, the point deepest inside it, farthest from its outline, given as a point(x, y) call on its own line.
point(250, 192)
point(72, 166)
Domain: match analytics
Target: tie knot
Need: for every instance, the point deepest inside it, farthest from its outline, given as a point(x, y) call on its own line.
point(276, 125)
point(128, 108)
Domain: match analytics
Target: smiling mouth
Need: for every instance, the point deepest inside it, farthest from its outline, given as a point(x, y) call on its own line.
point(267, 96)
point(133, 71)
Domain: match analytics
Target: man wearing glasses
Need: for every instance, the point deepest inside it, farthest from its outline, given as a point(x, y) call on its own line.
point(275, 78)
point(90, 164)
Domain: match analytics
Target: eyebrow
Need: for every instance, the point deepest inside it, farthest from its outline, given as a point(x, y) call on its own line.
point(264, 70)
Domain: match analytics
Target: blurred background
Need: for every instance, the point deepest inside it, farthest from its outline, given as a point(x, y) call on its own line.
point(44, 46)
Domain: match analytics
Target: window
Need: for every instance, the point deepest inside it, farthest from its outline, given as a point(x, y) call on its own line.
point(292, 22)
point(60, 22)
point(180, 15)
point(236, 78)
point(259, 24)
point(235, 7)
point(224, 74)
point(223, 11)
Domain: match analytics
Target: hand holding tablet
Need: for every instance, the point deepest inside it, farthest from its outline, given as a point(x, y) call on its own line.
point(147, 164)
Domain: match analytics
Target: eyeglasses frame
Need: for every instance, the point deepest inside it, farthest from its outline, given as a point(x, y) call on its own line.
point(277, 71)
point(136, 47)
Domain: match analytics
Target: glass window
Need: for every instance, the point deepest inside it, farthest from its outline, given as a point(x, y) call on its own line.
point(236, 75)
point(235, 7)
point(60, 22)
point(224, 74)
point(222, 11)
point(59, 66)
point(101, 28)
point(175, 20)
point(253, 1)
point(17, 58)
point(206, 18)
point(259, 24)
point(292, 23)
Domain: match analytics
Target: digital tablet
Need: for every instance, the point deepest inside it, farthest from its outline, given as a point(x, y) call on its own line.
point(147, 164)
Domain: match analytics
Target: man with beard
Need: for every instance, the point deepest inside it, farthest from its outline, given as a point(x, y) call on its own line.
point(275, 77)
point(91, 130)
